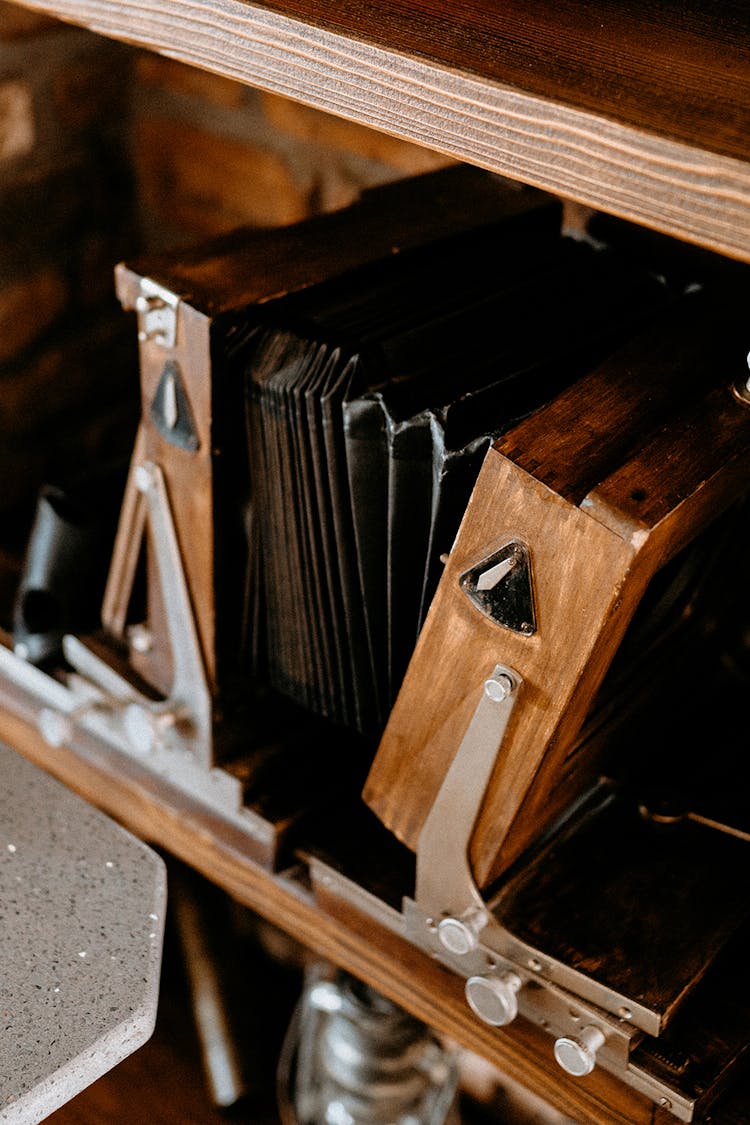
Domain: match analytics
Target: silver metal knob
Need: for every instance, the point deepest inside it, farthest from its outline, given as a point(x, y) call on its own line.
point(494, 998)
point(325, 996)
point(147, 728)
point(498, 687)
point(461, 935)
point(577, 1055)
point(57, 728)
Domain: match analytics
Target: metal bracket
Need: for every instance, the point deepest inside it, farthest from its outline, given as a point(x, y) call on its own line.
point(182, 720)
point(171, 737)
point(157, 314)
point(449, 919)
point(446, 892)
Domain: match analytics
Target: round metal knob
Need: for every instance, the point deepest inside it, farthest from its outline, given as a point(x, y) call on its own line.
point(498, 687)
point(577, 1055)
point(58, 727)
point(325, 996)
point(461, 935)
point(55, 727)
point(494, 998)
point(145, 729)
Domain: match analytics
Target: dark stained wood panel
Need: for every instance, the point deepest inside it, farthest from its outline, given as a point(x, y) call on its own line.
point(677, 69)
point(641, 110)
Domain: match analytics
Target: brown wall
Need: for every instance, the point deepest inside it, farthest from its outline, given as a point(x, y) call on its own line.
point(66, 215)
point(212, 154)
point(106, 151)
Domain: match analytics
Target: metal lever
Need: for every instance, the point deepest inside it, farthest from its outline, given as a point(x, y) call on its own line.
point(449, 917)
point(444, 880)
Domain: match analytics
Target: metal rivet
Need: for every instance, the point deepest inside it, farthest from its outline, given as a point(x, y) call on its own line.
point(498, 688)
point(625, 1013)
point(143, 477)
point(535, 964)
point(140, 638)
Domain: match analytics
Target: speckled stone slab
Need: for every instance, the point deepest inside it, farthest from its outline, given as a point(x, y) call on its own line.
point(82, 907)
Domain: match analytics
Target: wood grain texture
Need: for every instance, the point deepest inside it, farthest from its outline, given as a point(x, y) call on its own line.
point(643, 112)
point(219, 284)
point(580, 568)
point(604, 486)
point(253, 265)
point(190, 484)
point(432, 993)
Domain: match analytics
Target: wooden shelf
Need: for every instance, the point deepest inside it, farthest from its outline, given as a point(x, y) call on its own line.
point(169, 820)
point(640, 110)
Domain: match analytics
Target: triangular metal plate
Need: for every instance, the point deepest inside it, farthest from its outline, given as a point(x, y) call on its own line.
point(170, 409)
point(501, 587)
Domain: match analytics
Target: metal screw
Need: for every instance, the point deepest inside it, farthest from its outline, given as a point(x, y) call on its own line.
point(144, 476)
point(140, 638)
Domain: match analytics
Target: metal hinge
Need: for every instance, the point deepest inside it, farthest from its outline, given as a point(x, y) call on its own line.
point(157, 314)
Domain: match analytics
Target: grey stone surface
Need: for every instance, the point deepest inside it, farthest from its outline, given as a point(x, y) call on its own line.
point(82, 906)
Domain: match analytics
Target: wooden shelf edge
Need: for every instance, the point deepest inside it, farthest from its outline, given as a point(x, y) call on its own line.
point(677, 188)
point(400, 971)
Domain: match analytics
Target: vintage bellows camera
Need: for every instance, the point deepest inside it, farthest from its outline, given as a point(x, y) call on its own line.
point(437, 512)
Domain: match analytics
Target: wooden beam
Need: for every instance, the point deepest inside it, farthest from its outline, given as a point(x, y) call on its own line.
point(637, 114)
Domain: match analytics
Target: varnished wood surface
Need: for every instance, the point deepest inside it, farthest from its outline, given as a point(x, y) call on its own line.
point(253, 265)
point(603, 486)
point(343, 936)
point(216, 283)
point(654, 65)
point(640, 110)
point(562, 664)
